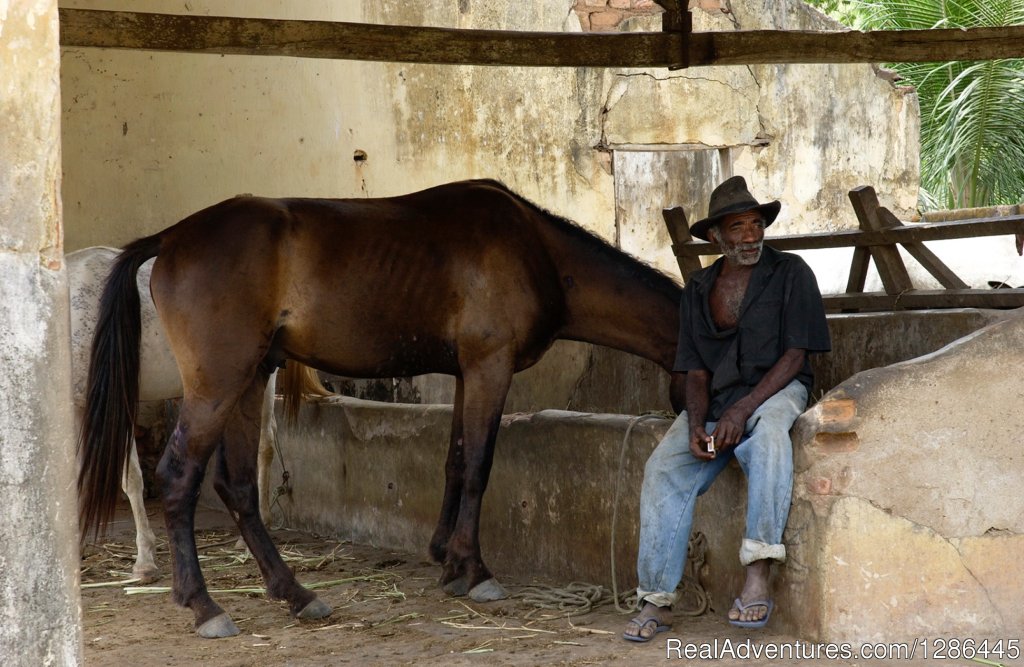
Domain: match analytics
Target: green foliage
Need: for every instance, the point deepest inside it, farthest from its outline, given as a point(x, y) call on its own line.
point(972, 113)
point(847, 12)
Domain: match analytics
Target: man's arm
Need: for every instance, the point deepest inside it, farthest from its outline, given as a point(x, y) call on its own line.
point(733, 422)
point(698, 393)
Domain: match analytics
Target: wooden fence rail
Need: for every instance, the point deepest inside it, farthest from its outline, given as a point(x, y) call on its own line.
point(879, 234)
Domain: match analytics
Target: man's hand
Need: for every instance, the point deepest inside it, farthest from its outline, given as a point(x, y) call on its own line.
point(699, 443)
point(733, 422)
point(731, 426)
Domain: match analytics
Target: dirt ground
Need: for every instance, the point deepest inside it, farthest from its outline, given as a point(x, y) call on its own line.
point(388, 610)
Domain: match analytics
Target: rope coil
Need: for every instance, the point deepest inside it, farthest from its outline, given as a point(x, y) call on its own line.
point(578, 598)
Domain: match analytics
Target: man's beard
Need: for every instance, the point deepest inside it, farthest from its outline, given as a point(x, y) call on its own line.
point(739, 254)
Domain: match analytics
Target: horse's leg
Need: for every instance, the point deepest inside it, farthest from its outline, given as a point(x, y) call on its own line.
point(268, 436)
point(197, 433)
point(235, 482)
point(486, 386)
point(145, 567)
point(453, 471)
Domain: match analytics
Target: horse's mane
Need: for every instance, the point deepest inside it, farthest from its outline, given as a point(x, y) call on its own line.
point(637, 268)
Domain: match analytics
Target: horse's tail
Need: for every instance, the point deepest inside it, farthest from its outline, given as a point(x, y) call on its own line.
point(295, 382)
point(112, 390)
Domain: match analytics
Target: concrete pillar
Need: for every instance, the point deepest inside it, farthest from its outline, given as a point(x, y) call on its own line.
point(39, 602)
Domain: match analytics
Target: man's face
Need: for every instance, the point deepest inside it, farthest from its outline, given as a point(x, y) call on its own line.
point(740, 236)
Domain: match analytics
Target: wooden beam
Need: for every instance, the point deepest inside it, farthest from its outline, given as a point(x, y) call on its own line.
point(925, 299)
point(915, 233)
point(935, 266)
point(763, 47)
point(678, 19)
point(925, 257)
point(679, 232)
point(891, 268)
point(858, 269)
point(360, 41)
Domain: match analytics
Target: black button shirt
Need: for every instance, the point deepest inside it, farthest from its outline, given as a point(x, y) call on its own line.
point(781, 310)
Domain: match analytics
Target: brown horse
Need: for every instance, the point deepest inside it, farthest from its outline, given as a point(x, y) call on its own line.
point(466, 278)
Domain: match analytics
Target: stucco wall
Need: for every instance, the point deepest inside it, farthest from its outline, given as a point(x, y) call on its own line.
point(39, 612)
point(151, 137)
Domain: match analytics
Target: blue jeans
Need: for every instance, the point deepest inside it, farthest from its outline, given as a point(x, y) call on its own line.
point(673, 478)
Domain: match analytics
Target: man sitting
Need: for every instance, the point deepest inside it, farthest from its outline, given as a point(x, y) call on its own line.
point(747, 324)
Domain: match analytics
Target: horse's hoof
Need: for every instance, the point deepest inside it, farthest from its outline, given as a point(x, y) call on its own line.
point(315, 609)
point(217, 627)
point(146, 575)
point(457, 587)
point(488, 591)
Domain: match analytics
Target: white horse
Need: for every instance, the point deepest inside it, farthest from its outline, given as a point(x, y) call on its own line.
point(158, 381)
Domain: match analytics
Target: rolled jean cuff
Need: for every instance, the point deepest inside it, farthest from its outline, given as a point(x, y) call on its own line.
point(753, 550)
point(657, 599)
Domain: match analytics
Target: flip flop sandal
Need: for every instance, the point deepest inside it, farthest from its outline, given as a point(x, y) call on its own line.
point(756, 603)
point(644, 624)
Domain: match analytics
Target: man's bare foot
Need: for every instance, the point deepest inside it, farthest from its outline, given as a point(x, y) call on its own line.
point(755, 589)
point(651, 620)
